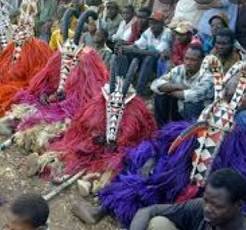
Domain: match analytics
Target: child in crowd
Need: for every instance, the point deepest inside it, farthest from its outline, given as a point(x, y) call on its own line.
point(28, 212)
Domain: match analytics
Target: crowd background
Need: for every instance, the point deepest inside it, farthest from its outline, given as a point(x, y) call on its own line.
point(166, 36)
point(168, 39)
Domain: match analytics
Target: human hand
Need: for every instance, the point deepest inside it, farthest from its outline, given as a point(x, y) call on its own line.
point(177, 94)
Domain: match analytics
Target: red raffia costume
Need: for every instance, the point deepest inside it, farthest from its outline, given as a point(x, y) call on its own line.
point(22, 58)
point(71, 78)
point(114, 120)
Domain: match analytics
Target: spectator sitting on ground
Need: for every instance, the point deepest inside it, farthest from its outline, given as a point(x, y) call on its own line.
point(87, 38)
point(124, 31)
point(100, 39)
point(215, 7)
point(217, 22)
point(141, 24)
point(154, 42)
point(28, 212)
point(57, 36)
point(224, 48)
point(220, 208)
point(183, 93)
point(183, 37)
point(112, 20)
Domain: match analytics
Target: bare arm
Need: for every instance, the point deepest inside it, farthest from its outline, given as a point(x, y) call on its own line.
point(134, 49)
point(171, 87)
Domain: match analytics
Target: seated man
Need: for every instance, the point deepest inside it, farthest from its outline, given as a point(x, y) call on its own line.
point(112, 20)
point(225, 50)
point(220, 208)
point(142, 24)
point(100, 39)
point(216, 23)
point(154, 42)
point(124, 31)
point(185, 85)
point(29, 212)
point(183, 36)
point(183, 32)
point(87, 38)
point(216, 7)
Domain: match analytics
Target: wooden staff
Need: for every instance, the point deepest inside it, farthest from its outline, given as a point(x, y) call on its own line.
point(63, 186)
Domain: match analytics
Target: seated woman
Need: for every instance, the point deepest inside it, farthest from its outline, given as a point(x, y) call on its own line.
point(22, 58)
point(165, 170)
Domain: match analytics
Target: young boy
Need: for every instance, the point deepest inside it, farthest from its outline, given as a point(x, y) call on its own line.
point(100, 39)
point(28, 212)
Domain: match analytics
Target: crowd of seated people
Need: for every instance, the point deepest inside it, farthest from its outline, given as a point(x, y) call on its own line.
point(169, 40)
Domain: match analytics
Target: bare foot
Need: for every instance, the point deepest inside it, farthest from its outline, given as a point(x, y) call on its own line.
point(84, 187)
point(86, 212)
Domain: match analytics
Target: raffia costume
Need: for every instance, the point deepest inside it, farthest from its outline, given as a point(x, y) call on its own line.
point(22, 58)
point(71, 78)
point(173, 166)
point(112, 121)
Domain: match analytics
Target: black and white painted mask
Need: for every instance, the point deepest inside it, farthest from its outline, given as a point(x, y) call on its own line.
point(117, 95)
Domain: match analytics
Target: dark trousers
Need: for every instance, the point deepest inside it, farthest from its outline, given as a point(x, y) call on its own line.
point(147, 67)
point(166, 110)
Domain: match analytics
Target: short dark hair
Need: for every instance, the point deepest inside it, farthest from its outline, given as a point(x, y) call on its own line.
point(225, 32)
point(145, 9)
point(130, 7)
point(224, 22)
point(232, 181)
point(197, 47)
point(33, 207)
point(113, 4)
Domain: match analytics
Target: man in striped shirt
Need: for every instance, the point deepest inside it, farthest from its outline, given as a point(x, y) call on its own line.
point(185, 87)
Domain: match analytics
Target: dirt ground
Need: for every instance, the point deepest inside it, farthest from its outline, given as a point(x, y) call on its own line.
point(13, 182)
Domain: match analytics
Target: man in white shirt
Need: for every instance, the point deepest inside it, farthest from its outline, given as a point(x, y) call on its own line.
point(153, 43)
point(125, 28)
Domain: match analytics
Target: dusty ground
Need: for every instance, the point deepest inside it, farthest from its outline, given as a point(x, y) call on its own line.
point(13, 182)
